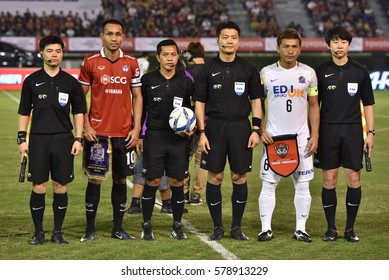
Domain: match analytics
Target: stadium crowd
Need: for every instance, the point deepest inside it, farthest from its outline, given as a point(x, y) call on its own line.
point(153, 18)
point(262, 17)
point(189, 18)
point(355, 15)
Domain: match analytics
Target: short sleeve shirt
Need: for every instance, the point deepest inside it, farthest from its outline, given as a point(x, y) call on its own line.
point(51, 99)
point(340, 90)
point(287, 92)
point(111, 82)
point(161, 96)
point(227, 88)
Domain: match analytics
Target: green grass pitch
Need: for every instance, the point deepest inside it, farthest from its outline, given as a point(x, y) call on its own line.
point(372, 225)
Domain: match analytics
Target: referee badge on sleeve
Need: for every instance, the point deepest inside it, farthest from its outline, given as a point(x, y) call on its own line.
point(283, 154)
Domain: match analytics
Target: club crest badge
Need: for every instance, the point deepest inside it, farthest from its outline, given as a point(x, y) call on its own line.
point(125, 68)
point(281, 149)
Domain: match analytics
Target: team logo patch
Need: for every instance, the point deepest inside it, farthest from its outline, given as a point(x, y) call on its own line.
point(302, 80)
point(101, 67)
point(97, 158)
point(352, 88)
point(239, 88)
point(63, 98)
point(282, 154)
point(125, 68)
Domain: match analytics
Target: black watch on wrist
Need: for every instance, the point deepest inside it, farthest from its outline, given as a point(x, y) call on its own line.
point(372, 131)
point(79, 139)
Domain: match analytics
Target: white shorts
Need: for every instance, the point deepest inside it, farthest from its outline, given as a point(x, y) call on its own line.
point(303, 173)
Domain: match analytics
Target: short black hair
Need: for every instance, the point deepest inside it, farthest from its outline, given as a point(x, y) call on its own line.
point(50, 40)
point(195, 50)
point(167, 42)
point(338, 32)
point(227, 25)
point(112, 21)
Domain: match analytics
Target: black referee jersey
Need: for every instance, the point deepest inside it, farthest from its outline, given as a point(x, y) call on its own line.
point(51, 99)
point(340, 90)
point(227, 87)
point(161, 96)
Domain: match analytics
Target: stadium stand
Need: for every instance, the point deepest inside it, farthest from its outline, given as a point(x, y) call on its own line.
point(194, 18)
point(153, 18)
point(355, 15)
point(263, 21)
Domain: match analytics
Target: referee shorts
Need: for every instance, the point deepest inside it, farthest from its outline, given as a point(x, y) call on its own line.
point(51, 153)
point(228, 139)
point(165, 151)
point(340, 145)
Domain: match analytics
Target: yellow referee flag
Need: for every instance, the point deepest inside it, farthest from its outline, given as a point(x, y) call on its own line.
point(363, 117)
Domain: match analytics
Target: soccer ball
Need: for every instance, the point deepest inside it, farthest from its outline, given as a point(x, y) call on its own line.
point(182, 119)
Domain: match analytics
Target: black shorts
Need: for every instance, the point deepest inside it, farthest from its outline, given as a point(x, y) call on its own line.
point(123, 159)
point(164, 150)
point(51, 154)
point(340, 145)
point(228, 139)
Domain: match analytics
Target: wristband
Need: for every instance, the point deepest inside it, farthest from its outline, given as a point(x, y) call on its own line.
point(257, 131)
point(79, 139)
point(200, 131)
point(256, 122)
point(372, 131)
point(22, 135)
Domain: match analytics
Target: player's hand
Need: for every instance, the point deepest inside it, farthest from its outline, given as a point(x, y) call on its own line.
point(90, 134)
point(254, 140)
point(76, 148)
point(186, 134)
point(203, 144)
point(139, 147)
point(266, 137)
point(132, 139)
point(368, 144)
point(311, 146)
point(23, 150)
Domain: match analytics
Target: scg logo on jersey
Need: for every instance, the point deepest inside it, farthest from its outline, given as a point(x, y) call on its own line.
point(105, 79)
point(282, 91)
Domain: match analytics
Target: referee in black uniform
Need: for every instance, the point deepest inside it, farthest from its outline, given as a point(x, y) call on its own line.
point(50, 94)
point(342, 83)
point(227, 89)
point(163, 90)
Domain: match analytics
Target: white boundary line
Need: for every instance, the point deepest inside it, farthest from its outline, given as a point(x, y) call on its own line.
point(11, 96)
point(226, 254)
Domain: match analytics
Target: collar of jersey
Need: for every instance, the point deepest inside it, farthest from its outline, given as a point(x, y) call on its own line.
point(103, 54)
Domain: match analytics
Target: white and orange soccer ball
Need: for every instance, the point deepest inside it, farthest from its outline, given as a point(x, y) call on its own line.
point(182, 119)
